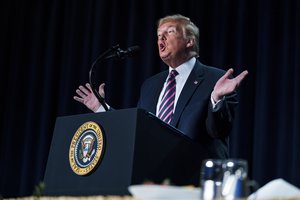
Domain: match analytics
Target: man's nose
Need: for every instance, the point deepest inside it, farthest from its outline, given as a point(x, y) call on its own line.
point(162, 37)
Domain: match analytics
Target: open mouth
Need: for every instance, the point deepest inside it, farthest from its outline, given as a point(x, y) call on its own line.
point(162, 47)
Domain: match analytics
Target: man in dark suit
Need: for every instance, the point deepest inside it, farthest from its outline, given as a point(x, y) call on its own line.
point(202, 99)
point(194, 113)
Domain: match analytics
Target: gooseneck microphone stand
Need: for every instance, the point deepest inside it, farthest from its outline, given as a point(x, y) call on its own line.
point(100, 58)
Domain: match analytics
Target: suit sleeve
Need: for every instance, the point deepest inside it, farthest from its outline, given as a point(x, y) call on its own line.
point(220, 119)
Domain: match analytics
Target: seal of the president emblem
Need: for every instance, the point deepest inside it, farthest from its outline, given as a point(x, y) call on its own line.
point(86, 148)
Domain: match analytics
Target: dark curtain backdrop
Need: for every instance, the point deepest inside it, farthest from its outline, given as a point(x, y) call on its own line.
point(47, 48)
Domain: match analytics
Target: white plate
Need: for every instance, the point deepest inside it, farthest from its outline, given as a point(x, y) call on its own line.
point(164, 192)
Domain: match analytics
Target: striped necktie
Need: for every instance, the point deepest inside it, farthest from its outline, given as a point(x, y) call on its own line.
point(166, 107)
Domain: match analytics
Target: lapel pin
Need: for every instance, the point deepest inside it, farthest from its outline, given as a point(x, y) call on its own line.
point(195, 82)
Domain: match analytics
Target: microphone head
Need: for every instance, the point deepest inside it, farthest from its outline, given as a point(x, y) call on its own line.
point(119, 53)
point(131, 51)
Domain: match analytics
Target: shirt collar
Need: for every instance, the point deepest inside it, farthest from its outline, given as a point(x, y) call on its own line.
point(185, 68)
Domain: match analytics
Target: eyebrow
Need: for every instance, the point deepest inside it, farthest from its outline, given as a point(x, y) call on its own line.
point(171, 26)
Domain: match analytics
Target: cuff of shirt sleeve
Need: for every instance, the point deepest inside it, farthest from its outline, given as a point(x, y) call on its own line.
point(101, 108)
point(214, 104)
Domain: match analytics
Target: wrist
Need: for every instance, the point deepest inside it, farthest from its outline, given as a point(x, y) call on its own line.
point(96, 108)
point(215, 96)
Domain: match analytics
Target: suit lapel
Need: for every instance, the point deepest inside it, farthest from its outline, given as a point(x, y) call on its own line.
point(192, 83)
point(157, 86)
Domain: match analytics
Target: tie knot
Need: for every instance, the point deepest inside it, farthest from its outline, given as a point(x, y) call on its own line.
point(173, 73)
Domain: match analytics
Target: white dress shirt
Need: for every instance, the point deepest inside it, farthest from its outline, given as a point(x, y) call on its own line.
point(184, 71)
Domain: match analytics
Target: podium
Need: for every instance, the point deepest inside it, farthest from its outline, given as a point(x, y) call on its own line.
point(137, 147)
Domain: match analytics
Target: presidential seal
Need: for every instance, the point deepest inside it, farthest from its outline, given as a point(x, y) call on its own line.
point(86, 149)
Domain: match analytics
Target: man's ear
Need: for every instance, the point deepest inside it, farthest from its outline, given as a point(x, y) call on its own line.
point(190, 43)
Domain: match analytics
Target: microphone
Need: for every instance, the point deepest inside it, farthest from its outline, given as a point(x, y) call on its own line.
point(114, 52)
point(121, 54)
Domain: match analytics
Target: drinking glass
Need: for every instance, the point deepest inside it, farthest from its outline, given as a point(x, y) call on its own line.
point(224, 179)
point(211, 179)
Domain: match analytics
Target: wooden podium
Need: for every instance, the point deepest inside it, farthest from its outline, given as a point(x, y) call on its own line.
point(137, 147)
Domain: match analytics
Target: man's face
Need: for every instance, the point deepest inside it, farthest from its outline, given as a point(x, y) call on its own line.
point(171, 43)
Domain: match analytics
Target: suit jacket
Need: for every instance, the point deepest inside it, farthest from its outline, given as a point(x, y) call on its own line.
point(194, 114)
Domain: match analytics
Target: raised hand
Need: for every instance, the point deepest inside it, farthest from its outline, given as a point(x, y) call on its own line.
point(88, 98)
point(225, 85)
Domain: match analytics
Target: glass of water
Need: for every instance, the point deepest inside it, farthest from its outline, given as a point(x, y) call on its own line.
point(211, 179)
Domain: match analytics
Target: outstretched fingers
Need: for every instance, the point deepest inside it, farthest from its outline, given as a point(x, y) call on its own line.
point(85, 90)
point(101, 90)
point(81, 92)
point(227, 74)
point(240, 77)
point(89, 86)
point(78, 99)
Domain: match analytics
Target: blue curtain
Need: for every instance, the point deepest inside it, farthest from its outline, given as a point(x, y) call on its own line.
point(47, 48)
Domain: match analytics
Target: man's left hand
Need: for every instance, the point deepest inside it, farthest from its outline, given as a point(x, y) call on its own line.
point(225, 85)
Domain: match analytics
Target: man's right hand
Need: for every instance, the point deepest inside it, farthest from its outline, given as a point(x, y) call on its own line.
point(87, 97)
